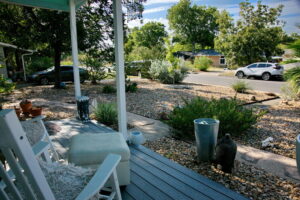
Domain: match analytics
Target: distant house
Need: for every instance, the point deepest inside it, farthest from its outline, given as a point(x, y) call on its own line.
point(13, 68)
point(217, 58)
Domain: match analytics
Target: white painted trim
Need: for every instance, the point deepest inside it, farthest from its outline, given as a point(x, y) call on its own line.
point(120, 76)
point(74, 48)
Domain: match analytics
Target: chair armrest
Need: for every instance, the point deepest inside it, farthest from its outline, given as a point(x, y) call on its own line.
point(101, 176)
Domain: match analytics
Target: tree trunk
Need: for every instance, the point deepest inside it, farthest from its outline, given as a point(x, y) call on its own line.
point(57, 56)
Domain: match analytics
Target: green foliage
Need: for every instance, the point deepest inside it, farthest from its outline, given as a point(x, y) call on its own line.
point(151, 34)
point(193, 24)
point(131, 86)
point(106, 113)
point(202, 63)
point(146, 43)
point(255, 37)
point(234, 118)
point(38, 63)
point(289, 61)
point(240, 86)
point(108, 89)
point(293, 78)
point(134, 68)
point(296, 47)
point(167, 73)
point(95, 67)
point(5, 85)
point(140, 53)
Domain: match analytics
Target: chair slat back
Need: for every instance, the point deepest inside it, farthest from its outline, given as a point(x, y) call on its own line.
point(21, 160)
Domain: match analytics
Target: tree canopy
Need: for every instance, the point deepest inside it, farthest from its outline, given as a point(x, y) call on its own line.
point(193, 24)
point(255, 37)
point(146, 43)
point(49, 31)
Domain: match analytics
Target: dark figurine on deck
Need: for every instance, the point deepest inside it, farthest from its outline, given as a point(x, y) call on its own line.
point(225, 153)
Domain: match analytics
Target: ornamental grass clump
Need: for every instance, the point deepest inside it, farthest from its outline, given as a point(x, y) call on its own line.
point(234, 118)
point(106, 113)
point(292, 76)
point(240, 86)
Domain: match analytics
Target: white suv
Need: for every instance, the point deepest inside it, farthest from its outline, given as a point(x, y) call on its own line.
point(263, 70)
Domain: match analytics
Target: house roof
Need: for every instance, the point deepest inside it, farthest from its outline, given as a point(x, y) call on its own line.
point(2, 44)
point(207, 52)
point(62, 5)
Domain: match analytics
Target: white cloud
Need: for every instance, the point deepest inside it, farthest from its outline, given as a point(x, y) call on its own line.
point(154, 10)
point(137, 23)
point(151, 2)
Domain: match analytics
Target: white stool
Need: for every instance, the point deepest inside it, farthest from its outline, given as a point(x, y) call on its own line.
point(89, 150)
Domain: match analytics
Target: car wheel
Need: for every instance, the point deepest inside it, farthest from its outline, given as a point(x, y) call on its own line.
point(240, 74)
point(266, 76)
point(44, 81)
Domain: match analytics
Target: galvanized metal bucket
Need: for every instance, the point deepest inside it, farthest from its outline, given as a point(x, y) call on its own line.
point(206, 133)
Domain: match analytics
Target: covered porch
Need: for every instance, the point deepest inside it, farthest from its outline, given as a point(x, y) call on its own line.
point(152, 175)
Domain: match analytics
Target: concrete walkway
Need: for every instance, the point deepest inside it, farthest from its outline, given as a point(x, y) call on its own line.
point(152, 129)
point(275, 164)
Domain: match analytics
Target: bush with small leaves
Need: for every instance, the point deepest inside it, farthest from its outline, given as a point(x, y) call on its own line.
point(202, 63)
point(108, 89)
point(240, 86)
point(106, 113)
point(167, 73)
point(234, 118)
point(131, 86)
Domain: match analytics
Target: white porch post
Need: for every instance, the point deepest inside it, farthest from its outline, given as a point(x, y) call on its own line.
point(119, 58)
point(74, 48)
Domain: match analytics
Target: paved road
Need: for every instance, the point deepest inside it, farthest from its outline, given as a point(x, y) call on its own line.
point(209, 78)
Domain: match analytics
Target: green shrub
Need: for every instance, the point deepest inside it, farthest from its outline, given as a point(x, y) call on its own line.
point(5, 85)
point(289, 61)
point(234, 119)
point(292, 76)
point(130, 86)
point(39, 63)
point(133, 68)
point(166, 73)
point(202, 63)
point(240, 86)
point(108, 89)
point(106, 113)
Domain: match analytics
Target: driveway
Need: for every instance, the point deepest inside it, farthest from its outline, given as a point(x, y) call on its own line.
point(211, 78)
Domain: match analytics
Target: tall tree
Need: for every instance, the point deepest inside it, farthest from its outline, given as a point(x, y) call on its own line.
point(146, 43)
point(255, 37)
point(50, 30)
point(193, 24)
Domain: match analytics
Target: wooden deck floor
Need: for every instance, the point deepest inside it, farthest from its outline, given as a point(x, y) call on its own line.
point(156, 177)
point(152, 175)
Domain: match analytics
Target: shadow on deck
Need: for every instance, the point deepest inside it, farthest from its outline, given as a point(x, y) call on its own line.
point(152, 175)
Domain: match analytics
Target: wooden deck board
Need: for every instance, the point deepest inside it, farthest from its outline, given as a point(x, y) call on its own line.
point(152, 175)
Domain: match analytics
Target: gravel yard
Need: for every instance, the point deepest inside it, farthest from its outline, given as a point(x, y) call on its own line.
point(282, 122)
point(247, 180)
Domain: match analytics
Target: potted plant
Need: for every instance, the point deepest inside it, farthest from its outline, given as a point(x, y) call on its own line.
point(26, 105)
point(35, 111)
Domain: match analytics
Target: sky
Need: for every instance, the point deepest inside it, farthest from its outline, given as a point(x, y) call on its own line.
point(156, 10)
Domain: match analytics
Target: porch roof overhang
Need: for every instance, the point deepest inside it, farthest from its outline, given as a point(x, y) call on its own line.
point(62, 5)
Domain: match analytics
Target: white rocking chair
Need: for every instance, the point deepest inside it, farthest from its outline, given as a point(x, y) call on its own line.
point(24, 167)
